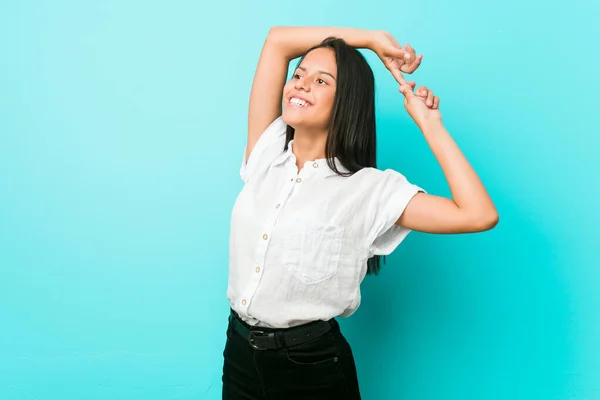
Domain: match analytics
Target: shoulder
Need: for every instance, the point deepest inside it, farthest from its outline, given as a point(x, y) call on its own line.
point(368, 185)
point(374, 176)
point(277, 125)
point(269, 145)
point(275, 129)
point(381, 186)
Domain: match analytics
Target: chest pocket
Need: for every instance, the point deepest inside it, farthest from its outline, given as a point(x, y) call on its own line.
point(311, 250)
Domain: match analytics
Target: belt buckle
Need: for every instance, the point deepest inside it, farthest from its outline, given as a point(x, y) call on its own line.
point(251, 336)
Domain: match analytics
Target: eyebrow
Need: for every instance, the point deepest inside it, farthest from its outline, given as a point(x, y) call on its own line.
point(321, 72)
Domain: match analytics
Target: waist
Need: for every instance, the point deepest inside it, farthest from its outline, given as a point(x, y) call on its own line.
point(262, 338)
point(300, 308)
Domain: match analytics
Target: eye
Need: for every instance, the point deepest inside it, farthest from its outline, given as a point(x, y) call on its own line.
point(321, 81)
point(296, 76)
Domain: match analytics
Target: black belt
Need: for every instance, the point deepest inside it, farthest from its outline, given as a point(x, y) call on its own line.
point(276, 339)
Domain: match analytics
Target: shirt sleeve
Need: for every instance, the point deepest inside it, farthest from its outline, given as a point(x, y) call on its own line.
point(390, 194)
point(267, 148)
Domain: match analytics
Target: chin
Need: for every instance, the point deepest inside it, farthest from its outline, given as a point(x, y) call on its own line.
point(305, 119)
point(296, 121)
point(292, 120)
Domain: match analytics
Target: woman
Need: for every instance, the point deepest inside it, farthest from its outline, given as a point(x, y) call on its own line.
point(315, 214)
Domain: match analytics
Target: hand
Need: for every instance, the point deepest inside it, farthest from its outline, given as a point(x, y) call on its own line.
point(422, 106)
point(395, 58)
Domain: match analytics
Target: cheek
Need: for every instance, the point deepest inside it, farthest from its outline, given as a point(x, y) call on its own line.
point(286, 88)
point(327, 101)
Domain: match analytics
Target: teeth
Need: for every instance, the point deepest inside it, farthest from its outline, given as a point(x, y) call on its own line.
point(299, 102)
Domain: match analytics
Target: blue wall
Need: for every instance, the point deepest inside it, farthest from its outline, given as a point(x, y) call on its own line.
point(122, 126)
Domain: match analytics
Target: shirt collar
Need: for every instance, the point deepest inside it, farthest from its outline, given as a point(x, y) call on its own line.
point(320, 164)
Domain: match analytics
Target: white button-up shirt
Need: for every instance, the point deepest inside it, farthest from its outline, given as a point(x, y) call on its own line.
point(300, 240)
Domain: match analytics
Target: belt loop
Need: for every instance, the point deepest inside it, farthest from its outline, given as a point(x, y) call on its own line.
point(279, 340)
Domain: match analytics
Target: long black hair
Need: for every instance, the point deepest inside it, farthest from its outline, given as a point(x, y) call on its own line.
point(351, 138)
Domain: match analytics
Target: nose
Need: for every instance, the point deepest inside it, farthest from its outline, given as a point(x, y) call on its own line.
point(302, 83)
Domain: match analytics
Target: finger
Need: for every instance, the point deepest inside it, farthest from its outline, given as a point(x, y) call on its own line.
point(412, 52)
point(406, 90)
point(411, 66)
point(416, 62)
point(429, 100)
point(412, 84)
point(398, 46)
point(436, 102)
point(398, 52)
point(399, 77)
point(408, 57)
point(422, 92)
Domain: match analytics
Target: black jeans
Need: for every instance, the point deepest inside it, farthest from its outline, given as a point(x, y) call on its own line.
point(321, 369)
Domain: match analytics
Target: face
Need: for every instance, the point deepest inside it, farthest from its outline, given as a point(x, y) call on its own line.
point(308, 96)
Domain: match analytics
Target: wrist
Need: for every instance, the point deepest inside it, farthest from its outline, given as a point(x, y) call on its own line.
point(431, 125)
point(371, 38)
point(357, 37)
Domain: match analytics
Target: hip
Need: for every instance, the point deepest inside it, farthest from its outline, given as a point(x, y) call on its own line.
point(313, 360)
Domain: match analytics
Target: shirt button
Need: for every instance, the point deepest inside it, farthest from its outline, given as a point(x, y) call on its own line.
point(316, 165)
point(299, 180)
point(278, 205)
point(265, 236)
point(257, 270)
point(244, 302)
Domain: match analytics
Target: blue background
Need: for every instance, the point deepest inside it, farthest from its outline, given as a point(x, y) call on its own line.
point(122, 127)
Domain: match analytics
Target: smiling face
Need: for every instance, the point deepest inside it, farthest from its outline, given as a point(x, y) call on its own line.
point(308, 97)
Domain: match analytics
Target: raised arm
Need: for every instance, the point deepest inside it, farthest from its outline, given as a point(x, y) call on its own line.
point(470, 209)
point(283, 44)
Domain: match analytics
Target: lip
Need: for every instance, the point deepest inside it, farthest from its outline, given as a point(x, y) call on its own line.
point(301, 98)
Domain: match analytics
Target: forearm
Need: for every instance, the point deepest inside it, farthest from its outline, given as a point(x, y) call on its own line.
point(295, 41)
point(468, 192)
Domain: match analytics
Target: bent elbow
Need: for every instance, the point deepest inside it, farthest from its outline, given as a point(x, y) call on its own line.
point(494, 219)
point(487, 221)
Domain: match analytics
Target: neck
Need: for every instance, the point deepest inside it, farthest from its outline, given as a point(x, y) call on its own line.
point(308, 146)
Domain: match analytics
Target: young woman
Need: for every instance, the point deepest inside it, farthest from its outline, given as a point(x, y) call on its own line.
point(315, 214)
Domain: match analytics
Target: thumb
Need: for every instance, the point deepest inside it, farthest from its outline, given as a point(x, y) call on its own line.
point(398, 53)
